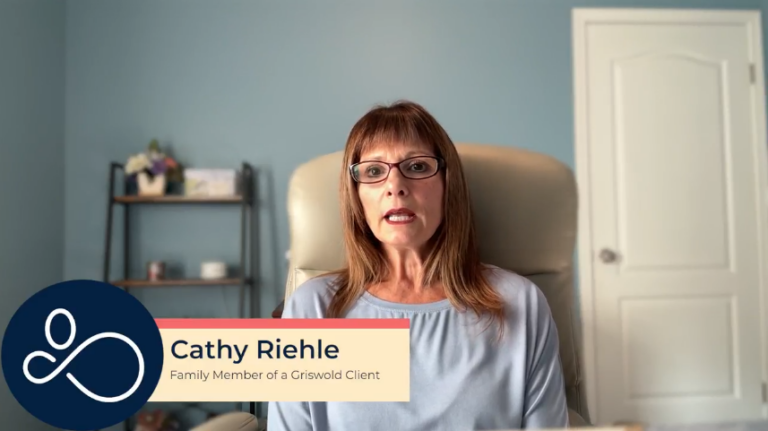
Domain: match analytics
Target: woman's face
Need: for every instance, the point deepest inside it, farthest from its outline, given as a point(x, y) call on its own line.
point(402, 213)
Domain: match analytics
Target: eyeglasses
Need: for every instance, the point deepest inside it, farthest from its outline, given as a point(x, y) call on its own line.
point(415, 168)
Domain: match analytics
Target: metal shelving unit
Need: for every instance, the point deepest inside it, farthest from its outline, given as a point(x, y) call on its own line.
point(245, 200)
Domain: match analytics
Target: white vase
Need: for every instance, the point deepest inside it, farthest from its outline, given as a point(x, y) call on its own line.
point(151, 186)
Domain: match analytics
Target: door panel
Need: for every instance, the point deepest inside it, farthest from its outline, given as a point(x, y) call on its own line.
point(656, 186)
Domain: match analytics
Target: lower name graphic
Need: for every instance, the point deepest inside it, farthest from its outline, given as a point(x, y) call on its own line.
point(204, 376)
point(261, 360)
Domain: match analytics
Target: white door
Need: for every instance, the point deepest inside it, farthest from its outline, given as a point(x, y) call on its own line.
point(671, 163)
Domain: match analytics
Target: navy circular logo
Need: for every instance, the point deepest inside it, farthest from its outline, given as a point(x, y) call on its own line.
point(82, 355)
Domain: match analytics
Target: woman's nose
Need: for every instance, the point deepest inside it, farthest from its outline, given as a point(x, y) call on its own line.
point(397, 185)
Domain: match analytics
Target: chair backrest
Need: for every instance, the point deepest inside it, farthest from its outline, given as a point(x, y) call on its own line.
point(525, 208)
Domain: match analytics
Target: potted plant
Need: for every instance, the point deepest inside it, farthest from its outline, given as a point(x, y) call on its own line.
point(152, 171)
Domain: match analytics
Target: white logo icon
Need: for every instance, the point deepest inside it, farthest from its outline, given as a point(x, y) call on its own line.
point(77, 351)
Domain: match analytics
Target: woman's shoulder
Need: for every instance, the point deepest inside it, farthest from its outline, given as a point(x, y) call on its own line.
point(507, 281)
point(311, 298)
point(516, 290)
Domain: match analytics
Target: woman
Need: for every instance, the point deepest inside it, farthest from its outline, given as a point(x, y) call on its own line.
point(484, 347)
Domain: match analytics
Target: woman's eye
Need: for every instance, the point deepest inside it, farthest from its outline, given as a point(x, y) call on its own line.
point(418, 166)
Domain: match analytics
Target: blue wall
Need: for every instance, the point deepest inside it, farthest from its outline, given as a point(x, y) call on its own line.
point(31, 164)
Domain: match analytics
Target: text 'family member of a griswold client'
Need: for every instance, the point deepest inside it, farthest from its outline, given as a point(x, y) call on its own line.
point(484, 346)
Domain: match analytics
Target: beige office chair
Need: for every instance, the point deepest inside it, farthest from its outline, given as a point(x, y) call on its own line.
point(525, 209)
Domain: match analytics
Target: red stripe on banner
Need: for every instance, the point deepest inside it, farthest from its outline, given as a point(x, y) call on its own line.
point(283, 323)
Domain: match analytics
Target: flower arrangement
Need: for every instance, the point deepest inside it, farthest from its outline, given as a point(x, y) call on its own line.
point(153, 162)
point(153, 170)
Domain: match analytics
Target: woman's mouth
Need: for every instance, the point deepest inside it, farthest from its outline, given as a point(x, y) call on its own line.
point(399, 216)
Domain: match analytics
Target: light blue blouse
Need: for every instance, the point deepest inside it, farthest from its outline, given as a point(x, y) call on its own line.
point(462, 378)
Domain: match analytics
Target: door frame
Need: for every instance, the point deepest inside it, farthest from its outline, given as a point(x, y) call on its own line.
point(580, 19)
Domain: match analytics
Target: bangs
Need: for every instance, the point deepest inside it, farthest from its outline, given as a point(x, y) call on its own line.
point(380, 128)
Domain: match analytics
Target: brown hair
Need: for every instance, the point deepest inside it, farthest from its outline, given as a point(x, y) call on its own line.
point(453, 259)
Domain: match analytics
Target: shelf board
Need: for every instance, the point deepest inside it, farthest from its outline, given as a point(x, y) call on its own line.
point(179, 282)
point(178, 199)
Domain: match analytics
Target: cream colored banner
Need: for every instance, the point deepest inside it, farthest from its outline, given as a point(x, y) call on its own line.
point(225, 365)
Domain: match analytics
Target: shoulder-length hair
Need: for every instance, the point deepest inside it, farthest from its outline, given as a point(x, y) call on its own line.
point(453, 259)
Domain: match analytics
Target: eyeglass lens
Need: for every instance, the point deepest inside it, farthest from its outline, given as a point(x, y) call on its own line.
point(414, 168)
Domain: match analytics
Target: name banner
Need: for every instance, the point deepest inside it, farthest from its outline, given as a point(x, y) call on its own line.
point(238, 360)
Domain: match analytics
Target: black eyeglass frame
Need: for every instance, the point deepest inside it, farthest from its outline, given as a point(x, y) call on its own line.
point(396, 165)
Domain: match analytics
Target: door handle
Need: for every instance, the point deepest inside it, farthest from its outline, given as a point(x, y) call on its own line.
point(608, 256)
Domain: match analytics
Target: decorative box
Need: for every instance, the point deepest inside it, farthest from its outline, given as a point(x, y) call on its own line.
point(213, 270)
point(210, 182)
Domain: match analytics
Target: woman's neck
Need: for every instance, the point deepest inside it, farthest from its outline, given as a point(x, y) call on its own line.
point(405, 279)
